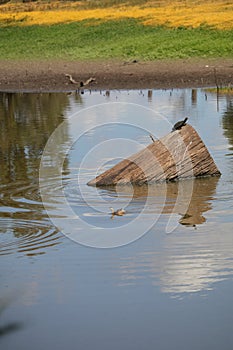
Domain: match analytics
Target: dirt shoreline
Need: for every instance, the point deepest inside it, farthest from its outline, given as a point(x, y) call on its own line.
point(49, 76)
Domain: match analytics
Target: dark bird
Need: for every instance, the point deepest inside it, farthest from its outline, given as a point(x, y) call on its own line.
point(180, 124)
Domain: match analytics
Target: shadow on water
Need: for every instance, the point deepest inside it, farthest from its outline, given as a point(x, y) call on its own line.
point(11, 327)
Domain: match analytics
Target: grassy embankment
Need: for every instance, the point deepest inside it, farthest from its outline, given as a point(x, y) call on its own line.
point(95, 30)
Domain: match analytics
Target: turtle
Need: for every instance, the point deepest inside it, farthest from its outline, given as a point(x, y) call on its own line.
point(179, 124)
point(118, 212)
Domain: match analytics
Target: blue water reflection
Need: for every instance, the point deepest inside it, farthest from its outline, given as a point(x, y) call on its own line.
point(162, 290)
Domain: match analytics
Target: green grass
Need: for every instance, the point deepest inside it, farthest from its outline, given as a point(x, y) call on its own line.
point(123, 39)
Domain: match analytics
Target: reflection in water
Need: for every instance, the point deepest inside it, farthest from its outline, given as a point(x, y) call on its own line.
point(150, 95)
point(187, 198)
point(201, 201)
point(194, 97)
point(27, 120)
point(199, 193)
point(185, 265)
point(227, 122)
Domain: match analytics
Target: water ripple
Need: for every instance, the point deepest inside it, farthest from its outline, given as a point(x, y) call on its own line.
point(25, 227)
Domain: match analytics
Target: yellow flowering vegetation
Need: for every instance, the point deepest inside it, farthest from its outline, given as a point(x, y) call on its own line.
point(221, 91)
point(217, 14)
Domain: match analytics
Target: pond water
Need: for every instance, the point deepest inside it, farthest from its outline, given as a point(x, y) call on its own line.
point(73, 276)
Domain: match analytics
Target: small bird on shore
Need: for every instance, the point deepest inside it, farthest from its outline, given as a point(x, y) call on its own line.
point(118, 212)
point(180, 124)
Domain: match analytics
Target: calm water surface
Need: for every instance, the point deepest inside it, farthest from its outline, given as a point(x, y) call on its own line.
point(172, 286)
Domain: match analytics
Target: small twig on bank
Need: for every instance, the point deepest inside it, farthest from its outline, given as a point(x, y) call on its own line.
point(216, 78)
point(217, 86)
point(152, 138)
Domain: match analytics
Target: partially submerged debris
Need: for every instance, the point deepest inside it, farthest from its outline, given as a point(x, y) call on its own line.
point(177, 155)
